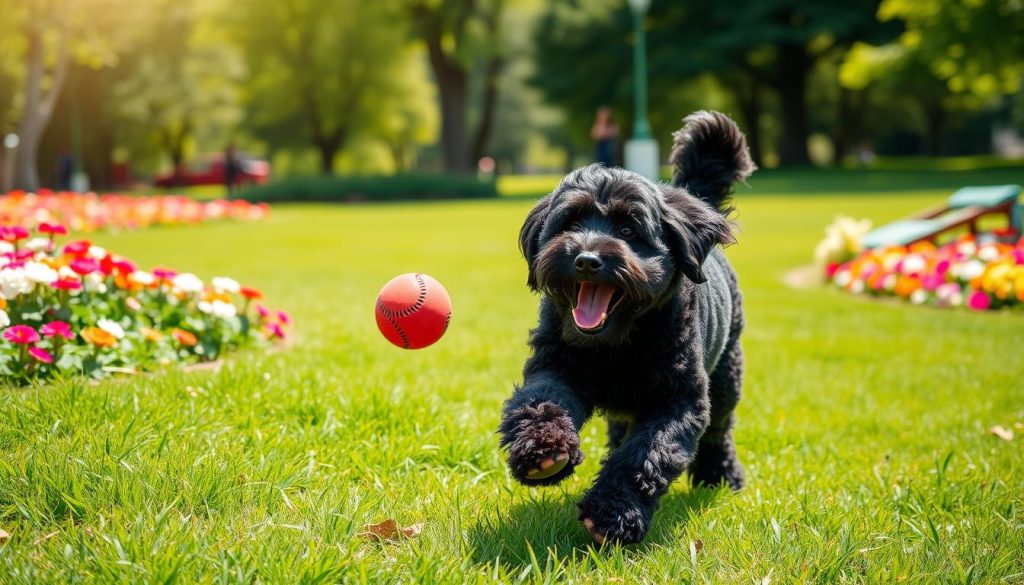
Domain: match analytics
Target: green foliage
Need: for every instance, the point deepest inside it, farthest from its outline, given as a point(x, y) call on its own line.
point(864, 426)
point(370, 188)
point(975, 46)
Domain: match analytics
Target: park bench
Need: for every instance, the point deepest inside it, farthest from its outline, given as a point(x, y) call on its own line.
point(963, 208)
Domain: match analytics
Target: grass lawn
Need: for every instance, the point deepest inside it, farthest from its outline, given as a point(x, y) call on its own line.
point(864, 426)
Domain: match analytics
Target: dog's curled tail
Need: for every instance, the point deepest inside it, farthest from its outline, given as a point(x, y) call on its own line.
point(709, 155)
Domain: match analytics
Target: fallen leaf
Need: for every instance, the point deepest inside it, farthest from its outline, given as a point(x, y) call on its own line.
point(4, 535)
point(1002, 432)
point(390, 530)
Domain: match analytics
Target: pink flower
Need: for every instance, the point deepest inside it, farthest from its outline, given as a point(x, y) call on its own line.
point(84, 266)
point(41, 354)
point(283, 318)
point(52, 229)
point(13, 233)
point(21, 334)
point(164, 273)
point(979, 301)
point(57, 329)
point(262, 311)
point(276, 330)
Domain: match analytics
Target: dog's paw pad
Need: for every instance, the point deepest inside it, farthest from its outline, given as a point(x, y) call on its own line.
point(543, 446)
point(549, 467)
point(597, 536)
point(618, 519)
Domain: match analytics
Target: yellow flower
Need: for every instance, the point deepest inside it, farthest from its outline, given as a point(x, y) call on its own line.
point(151, 334)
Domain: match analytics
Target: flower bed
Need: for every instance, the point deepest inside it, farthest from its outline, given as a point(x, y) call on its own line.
point(89, 212)
point(980, 272)
point(82, 310)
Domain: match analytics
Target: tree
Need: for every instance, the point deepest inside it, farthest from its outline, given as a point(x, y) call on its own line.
point(182, 83)
point(462, 37)
point(751, 45)
point(52, 30)
point(313, 66)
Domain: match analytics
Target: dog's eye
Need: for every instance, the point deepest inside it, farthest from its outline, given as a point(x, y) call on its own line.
point(627, 232)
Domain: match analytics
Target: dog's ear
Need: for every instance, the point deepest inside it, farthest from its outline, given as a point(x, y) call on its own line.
point(692, 228)
point(529, 237)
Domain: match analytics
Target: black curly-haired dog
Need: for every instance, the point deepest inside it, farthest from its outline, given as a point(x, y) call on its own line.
point(640, 317)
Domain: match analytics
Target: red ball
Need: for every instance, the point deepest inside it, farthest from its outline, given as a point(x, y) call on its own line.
point(413, 310)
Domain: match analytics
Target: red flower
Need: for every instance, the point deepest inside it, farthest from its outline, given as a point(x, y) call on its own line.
point(52, 229)
point(186, 338)
point(250, 293)
point(41, 354)
point(66, 284)
point(21, 334)
point(79, 248)
point(57, 328)
point(84, 266)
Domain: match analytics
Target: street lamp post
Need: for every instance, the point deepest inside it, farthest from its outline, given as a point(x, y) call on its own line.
point(641, 150)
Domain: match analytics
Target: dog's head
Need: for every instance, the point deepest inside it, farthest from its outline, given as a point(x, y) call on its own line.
point(608, 246)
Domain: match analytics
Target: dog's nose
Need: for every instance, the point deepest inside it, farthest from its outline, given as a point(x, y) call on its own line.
point(588, 262)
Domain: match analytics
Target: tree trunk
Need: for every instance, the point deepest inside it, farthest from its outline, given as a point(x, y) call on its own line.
point(791, 85)
point(490, 100)
point(936, 118)
point(38, 106)
point(452, 87)
point(750, 109)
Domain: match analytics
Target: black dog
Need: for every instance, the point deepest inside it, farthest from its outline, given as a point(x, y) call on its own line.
point(640, 317)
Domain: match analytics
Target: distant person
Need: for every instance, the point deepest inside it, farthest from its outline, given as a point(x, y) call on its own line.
point(65, 171)
point(232, 168)
point(603, 133)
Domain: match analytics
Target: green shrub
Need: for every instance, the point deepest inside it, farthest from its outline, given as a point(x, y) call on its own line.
point(370, 188)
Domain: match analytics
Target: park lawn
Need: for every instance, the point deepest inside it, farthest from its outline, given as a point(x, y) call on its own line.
point(864, 426)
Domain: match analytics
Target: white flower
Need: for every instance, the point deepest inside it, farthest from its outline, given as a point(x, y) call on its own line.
point(843, 277)
point(97, 252)
point(187, 282)
point(93, 282)
point(223, 283)
point(889, 282)
point(842, 240)
point(4, 319)
point(40, 273)
point(39, 244)
point(956, 299)
point(142, 277)
point(857, 286)
point(14, 282)
point(919, 296)
point(914, 264)
point(111, 327)
point(988, 253)
point(6, 247)
point(218, 309)
point(972, 269)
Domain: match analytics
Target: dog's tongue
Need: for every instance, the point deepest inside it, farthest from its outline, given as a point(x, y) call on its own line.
point(592, 305)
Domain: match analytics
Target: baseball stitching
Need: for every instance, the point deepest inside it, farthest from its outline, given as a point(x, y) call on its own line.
point(391, 317)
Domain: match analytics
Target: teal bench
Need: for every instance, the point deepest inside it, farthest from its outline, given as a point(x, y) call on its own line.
point(964, 207)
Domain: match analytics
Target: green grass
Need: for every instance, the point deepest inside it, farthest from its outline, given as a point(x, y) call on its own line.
point(864, 427)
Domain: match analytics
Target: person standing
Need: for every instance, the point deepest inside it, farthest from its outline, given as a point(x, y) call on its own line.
point(232, 168)
point(604, 132)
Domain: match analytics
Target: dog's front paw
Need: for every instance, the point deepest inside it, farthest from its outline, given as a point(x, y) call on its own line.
point(543, 445)
point(615, 516)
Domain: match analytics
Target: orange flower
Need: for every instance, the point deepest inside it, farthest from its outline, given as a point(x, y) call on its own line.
point(250, 293)
point(3, 302)
point(186, 338)
point(151, 334)
point(98, 337)
point(211, 296)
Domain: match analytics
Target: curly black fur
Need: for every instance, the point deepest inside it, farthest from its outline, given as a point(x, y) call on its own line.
point(666, 363)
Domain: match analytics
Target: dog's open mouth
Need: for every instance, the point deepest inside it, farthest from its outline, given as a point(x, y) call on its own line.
point(593, 305)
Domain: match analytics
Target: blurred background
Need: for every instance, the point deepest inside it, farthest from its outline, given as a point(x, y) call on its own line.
point(131, 94)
